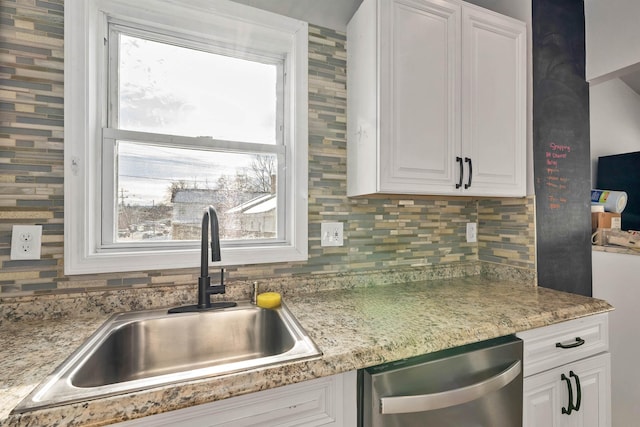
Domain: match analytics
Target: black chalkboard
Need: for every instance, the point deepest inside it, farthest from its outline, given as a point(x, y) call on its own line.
point(561, 146)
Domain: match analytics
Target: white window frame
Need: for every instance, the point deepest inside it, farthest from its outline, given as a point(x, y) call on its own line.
point(86, 54)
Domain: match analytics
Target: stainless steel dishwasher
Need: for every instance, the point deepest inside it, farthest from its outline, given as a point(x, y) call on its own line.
point(477, 385)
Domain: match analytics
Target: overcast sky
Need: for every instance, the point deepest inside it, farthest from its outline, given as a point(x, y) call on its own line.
point(175, 90)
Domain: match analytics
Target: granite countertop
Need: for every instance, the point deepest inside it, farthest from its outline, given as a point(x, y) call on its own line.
point(616, 249)
point(354, 328)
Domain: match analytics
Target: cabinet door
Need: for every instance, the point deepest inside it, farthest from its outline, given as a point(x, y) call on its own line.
point(493, 103)
point(419, 92)
point(546, 394)
point(541, 401)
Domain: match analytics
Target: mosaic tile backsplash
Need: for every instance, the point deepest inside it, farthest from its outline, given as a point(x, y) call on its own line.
point(383, 236)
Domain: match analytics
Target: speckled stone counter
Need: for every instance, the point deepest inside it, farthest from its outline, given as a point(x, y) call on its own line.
point(354, 328)
point(616, 249)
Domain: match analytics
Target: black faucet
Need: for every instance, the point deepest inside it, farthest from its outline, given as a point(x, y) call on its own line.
point(205, 290)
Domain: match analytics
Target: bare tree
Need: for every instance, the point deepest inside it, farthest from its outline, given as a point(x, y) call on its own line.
point(263, 168)
point(175, 187)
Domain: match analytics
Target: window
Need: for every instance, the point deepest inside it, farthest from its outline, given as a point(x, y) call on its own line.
point(180, 144)
point(171, 107)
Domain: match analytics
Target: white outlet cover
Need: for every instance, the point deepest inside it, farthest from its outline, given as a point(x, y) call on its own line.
point(472, 232)
point(331, 234)
point(25, 242)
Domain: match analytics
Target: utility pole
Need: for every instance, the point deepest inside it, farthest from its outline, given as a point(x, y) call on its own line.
point(123, 211)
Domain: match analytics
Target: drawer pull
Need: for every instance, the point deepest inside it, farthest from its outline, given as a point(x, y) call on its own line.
point(468, 160)
point(579, 341)
point(570, 406)
point(578, 389)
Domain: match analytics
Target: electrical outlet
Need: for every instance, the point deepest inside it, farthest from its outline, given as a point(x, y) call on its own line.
point(25, 241)
point(331, 234)
point(472, 232)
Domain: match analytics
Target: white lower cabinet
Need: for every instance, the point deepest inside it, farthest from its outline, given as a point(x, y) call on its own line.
point(567, 369)
point(328, 401)
point(547, 399)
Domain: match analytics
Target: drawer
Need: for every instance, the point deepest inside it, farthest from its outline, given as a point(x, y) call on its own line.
point(555, 345)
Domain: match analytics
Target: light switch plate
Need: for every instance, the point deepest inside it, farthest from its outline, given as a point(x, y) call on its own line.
point(26, 241)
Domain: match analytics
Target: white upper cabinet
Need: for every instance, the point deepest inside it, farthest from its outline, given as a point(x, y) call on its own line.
point(494, 100)
point(436, 100)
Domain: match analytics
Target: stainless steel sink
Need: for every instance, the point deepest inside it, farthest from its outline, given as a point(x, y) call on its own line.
point(139, 350)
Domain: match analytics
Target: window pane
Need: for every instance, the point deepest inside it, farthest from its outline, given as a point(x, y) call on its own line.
point(175, 90)
point(163, 191)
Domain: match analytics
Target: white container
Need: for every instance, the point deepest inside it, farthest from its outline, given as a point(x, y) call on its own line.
point(613, 201)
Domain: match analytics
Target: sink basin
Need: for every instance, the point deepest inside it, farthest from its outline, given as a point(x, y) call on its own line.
point(139, 350)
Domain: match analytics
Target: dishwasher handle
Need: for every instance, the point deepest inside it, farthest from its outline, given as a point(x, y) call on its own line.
point(445, 399)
